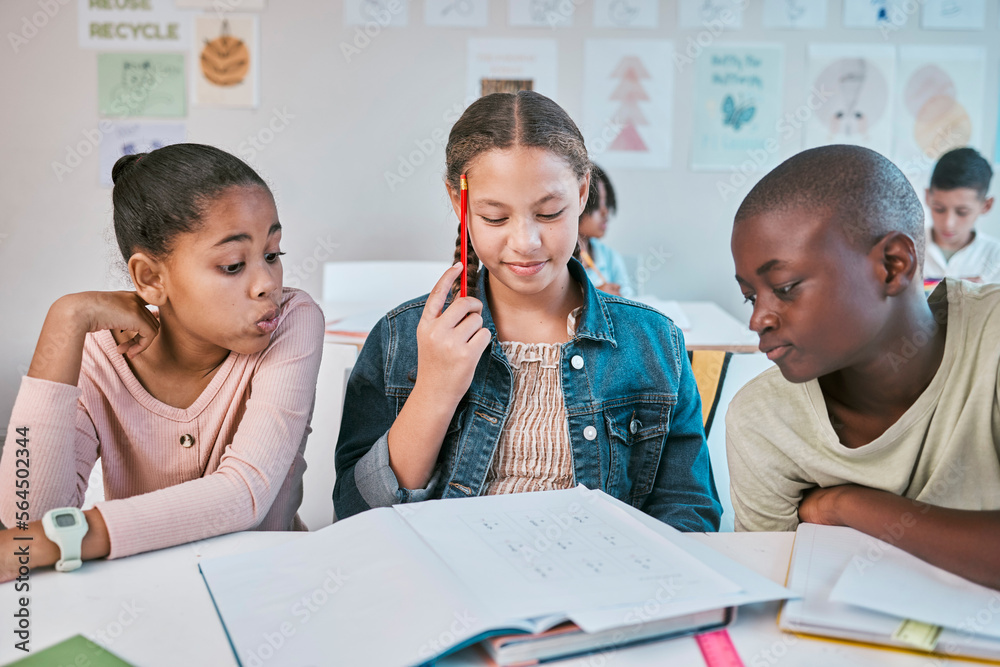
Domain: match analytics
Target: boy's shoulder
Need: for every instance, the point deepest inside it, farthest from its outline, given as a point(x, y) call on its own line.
point(769, 396)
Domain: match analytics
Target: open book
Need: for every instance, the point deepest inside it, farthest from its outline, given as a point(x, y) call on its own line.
point(857, 587)
point(405, 585)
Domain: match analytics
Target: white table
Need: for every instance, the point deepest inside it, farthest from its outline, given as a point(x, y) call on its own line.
point(712, 328)
point(154, 609)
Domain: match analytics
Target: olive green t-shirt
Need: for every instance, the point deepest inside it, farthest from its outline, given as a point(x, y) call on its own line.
point(944, 450)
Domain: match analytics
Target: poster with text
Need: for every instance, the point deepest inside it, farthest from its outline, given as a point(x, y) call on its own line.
point(853, 95)
point(940, 103)
point(540, 13)
point(626, 13)
point(877, 14)
point(727, 14)
point(795, 14)
point(226, 63)
point(141, 85)
point(509, 65)
point(223, 5)
point(150, 25)
point(128, 138)
point(628, 93)
point(737, 103)
point(384, 13)
point(953, 15)
point(457, 13)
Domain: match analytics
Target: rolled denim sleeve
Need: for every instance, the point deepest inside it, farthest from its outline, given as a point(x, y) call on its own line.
point(684, 494)
point(364, 478)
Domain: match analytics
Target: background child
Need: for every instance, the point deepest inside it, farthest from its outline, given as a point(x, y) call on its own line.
point(198, 411)
point(605, 267)
point(956, 198)
point(882, 413)
point(536, 380)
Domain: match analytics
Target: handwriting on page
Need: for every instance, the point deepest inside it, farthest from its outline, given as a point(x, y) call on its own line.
point(552, 545)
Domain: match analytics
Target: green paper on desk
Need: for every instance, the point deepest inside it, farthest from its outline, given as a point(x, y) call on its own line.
point(77, 650)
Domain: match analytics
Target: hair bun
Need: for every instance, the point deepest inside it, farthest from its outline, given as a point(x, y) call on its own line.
point(124, 164)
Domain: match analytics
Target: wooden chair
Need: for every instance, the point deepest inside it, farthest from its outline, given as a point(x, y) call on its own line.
point(709, 368)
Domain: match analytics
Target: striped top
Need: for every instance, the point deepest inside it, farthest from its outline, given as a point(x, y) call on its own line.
point(534, 453)
point(230, 461)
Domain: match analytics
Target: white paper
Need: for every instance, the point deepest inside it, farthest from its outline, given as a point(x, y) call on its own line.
point(853, 86)
point(383, 13)
point(954, 15)
point(795, 14)
point(819, 558)
point(626, 13)
point(558, 552)
point(755, 587)
point(161, 27)
point(532, 60)
point(127, 138)
point(293, 604)
point(457, 13)
point(628, 94)
point(540, 13)
point(939, 104)
point(709, 14)
point(902, 585)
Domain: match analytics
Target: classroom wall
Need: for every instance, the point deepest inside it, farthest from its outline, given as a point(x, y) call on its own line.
point(346, 123)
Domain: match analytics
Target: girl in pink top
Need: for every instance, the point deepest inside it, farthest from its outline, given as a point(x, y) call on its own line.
point(199, 410)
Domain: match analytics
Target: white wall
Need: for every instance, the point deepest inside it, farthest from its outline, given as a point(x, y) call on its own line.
point(352, 122)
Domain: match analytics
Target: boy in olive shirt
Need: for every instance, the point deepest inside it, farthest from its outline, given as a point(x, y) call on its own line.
point(883, 410)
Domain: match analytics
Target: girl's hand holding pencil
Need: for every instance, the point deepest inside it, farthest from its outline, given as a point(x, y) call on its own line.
point(449, 343)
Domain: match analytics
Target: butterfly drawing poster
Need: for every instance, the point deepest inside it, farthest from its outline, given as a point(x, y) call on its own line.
point(852, 101)
point(628, 91)
point(737, 107)
point(225, 66)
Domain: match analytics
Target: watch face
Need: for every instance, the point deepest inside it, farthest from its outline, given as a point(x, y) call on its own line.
point(64, 520)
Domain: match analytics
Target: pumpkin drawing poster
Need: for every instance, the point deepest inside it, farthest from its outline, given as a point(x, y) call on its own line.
point(226, 62)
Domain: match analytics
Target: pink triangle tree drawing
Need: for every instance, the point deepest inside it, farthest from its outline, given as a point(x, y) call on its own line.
point(629, 94)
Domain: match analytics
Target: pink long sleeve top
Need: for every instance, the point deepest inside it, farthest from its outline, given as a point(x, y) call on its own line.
point(232, 460)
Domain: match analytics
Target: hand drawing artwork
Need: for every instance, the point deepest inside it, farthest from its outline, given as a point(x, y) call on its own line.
point(860, 96)
point(942, 123)
point(622, 12)
point(795, 14)
point(228, 71)
point(461, 7)
point(629, 94)
point(225, 60)
point(940, 103)
point(735, 115)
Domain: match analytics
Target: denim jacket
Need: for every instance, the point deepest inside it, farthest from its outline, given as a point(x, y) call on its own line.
point(635, 421)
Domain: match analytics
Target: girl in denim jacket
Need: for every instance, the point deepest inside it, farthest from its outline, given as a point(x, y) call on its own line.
point(536, 380)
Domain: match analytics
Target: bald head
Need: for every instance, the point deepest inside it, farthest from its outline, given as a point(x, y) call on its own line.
point(861, 190)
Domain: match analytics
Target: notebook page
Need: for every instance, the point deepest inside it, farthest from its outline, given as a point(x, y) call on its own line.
point(342, 591)
point(534, 554)
point(820, 555)
point(895, 582)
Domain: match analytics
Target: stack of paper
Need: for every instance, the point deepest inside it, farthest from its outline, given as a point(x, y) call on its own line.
point(857, 587)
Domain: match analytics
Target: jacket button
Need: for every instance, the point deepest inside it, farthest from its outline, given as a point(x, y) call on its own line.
point(187, 440)
point(590, 433)
point(576, 362)
point(634, 426)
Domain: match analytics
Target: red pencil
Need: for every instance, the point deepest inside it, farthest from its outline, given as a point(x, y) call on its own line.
point(465, 236)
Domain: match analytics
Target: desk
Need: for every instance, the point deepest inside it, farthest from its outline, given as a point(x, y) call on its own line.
point(154, 609)
point(712, 328)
